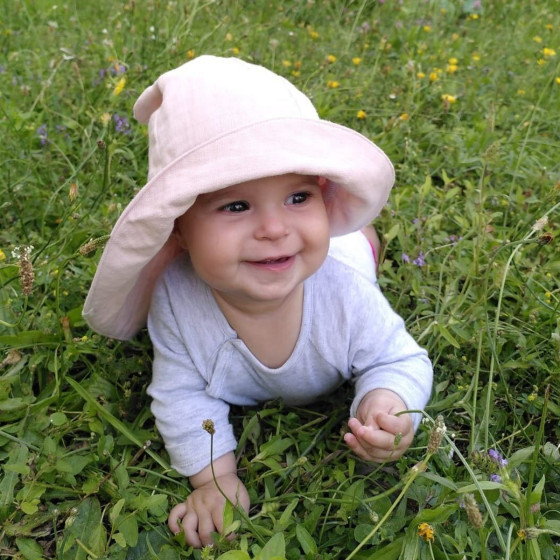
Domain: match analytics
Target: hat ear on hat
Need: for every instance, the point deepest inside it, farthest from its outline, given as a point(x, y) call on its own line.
point(149, 101)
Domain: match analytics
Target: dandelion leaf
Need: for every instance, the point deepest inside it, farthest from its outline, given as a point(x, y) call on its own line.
point(152, 544)
point(275, 548)
point(84, 531)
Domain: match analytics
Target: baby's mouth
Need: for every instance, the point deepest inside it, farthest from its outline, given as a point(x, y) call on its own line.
point(273, 261)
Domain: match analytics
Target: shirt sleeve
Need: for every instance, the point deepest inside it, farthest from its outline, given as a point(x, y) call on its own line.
point(385, 356)
point(180, 403)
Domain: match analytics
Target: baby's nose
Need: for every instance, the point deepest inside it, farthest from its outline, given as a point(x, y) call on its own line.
point(271, 225)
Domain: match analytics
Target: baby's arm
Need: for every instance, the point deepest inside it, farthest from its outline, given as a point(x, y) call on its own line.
point(201, 513)
point(392, 373)
point(376, 434)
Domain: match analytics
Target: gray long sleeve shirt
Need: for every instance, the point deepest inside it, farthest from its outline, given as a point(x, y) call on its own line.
point(348, 332)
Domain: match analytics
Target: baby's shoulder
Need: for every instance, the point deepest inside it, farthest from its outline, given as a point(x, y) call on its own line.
point(180, 272)
point(338, 282)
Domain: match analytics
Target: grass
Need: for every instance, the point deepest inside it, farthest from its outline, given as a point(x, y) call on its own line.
point(465, 101)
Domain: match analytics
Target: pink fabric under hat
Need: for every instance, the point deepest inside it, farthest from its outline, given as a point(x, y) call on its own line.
point(212, 123)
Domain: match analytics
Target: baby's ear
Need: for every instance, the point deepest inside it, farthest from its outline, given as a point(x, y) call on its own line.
point(177, 235)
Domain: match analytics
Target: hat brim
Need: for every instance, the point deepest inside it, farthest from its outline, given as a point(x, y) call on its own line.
point(359, 173)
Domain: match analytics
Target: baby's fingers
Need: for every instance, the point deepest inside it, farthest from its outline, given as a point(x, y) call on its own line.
point(365, 452)
point(175, 516)
point(207, 526)
point(371, 444)
point(191, 528)
point(394, 424)
point(370, 437)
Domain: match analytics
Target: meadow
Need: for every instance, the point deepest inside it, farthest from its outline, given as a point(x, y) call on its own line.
point(464, 97)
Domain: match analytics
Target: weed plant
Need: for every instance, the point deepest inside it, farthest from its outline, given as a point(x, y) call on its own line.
point(464, 96)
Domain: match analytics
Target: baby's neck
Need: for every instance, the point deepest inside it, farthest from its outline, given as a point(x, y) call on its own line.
point(270, 331)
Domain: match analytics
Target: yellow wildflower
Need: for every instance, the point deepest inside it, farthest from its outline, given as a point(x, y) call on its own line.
point(453, 60)
point(286, 63)
point(332, 84)
point(452, 68)
point(537, 39)
point(312, 33)
point(2, 255)
point(296, 73)
point(531, 397)
point(427, 28)
point(420, 75)
point(190, 54)
point(120, 86)
point(476, 57)
point(448, 99)
point(105, 118)
point(541, 62)
point(297, 64)
point(331, 58)
point(361, 114)
point(558, 80)
point(356, 60)
point(426, 532)
point(235, 50)
point(521, 92)
point(549, 52)
point(474, 16)
point(404, 117)
point(549, 26)
point(434, 76)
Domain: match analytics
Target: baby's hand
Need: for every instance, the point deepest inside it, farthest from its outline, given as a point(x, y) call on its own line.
point(376, 433)
point(201, 513)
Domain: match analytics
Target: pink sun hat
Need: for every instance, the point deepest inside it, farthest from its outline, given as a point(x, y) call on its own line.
point(212, 123)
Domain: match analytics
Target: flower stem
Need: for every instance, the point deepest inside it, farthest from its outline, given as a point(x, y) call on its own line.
point(415, 471)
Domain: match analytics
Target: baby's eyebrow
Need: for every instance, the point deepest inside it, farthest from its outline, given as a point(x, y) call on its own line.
point(217, 197)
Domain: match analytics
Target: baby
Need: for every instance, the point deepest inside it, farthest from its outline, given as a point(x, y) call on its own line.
point(250, 248)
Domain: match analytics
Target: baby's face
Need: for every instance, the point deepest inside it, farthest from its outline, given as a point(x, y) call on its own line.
point(257, 241)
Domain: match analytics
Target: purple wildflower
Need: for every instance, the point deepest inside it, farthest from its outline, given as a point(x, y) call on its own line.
point(405, 258)
point(42, 134)
point(494, 455)
point(419, 260)
point(121, 124)
point(454, 239)
point(117, 69)
point(497, 458)
point(495, 478)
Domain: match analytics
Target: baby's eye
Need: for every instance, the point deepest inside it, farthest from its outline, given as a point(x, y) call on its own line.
point(236, 206)
point(298, 198)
